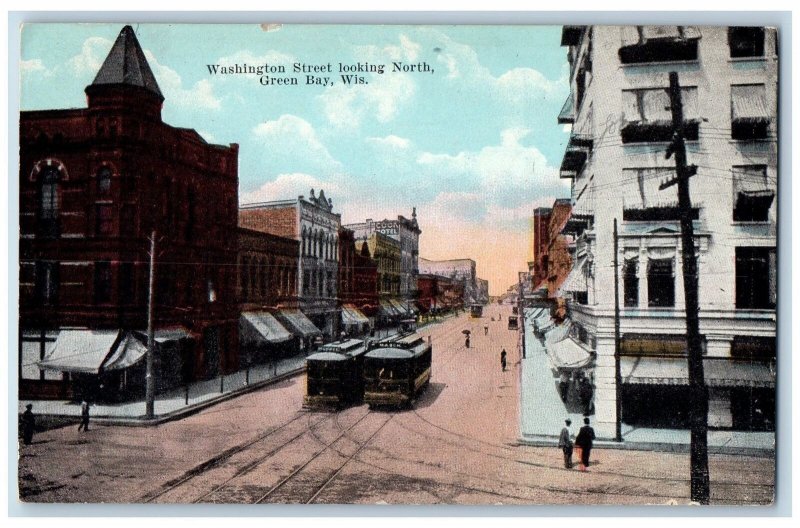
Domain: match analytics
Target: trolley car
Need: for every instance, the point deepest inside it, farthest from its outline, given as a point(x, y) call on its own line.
point(396, 372)
point(334, 375)
point(476, 310)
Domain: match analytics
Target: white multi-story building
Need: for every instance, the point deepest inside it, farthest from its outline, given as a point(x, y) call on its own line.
point(619, 108)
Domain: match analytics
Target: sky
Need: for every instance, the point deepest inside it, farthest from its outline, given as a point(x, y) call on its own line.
point(474, 145)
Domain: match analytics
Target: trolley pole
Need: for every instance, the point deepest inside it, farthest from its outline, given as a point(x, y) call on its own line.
point(700, 487)
point(617, 372)
point(150, 385)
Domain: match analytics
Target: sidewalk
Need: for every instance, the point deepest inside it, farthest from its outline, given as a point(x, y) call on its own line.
point(542, 415)
point(173, 404)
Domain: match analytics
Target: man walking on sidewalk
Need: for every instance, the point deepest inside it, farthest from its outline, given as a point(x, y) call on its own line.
point(584, 440)
point(486, 329)
point(503, 359)
point(84, 426)
point(565, 443)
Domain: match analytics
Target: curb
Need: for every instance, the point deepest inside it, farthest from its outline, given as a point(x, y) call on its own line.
point(666, 447)
point(141, 421)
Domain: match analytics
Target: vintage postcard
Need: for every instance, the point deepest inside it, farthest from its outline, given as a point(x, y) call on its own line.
point(395, 264)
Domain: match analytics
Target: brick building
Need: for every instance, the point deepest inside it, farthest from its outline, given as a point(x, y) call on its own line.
point(313, 223)
point(95, 183)
point(358, 282)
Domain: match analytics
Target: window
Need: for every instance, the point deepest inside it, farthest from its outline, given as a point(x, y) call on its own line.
point(648, 114)
point(756, 276)
point(104, 219)
point(750, 115)
point(630, 281)
point(127, 283)
point(102, 282)
point(660, 283)
point(104, 181)
point(642, 44)
point(127, 220)
point(752, 195)
point(46, 284)
point(746, 41)
point(48, 202)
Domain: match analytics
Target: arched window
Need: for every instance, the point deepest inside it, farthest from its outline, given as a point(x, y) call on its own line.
point(104, 181)
point(48, 202)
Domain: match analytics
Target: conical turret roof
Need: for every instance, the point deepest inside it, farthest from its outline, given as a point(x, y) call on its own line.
point(126, 64)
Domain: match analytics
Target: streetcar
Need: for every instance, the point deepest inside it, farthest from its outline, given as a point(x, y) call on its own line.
point(334, 375)
point(476, 310)
point(513, 322)
point(397, 371)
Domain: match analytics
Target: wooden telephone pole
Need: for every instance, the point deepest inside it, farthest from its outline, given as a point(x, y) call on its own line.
point(617, 368)
point(150, 382)
point(700, 489)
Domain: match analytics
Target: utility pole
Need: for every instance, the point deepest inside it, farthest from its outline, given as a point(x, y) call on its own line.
point(700, 488)
point(617, 372)
point(150, 385)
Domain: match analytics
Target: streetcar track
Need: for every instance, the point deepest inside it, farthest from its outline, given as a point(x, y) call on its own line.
point(314, 457)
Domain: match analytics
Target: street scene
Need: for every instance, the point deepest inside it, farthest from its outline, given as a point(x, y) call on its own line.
point(458, 445)
point(398, 265)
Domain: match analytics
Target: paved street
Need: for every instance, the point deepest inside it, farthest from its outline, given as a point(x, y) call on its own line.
point(458, 445)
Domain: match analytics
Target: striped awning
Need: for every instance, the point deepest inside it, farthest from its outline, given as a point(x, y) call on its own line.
point(255, 327)
point(576, 280)
point(297, 323)
point(749, 101)
point(352, 316)
point(129, 352)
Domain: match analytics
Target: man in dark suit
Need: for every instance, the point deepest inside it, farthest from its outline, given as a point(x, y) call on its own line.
point(565, 443)
point(584, 440)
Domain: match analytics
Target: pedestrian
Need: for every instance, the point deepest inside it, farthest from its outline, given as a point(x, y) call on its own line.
point(466, 342)
point(563, 386)
point(84, 426)
point(28, 424)
point(503, 359)
point(585, 393)
point(486, 329)
point(565, 443)
point(584, 440)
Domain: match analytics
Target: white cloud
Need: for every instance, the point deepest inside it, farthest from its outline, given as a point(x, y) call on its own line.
point(288, 186)
point(390, 141)
point(93, 51)
point(348, 105)
point(200, 95)
point(32, 65)
point(294, 137)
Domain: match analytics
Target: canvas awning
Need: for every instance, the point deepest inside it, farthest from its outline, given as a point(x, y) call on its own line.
point(176, 333)
point(566, 354)
point(749, 102)
point(388, 310)
point(576, 280)
point(298, 323)
point(675, 371)
point(129, 352)
point(555, 333)
point(352, 316)
point(401, 308)
point(81, 351)
point(257, 327)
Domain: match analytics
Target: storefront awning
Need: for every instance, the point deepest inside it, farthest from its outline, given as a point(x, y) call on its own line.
point(129, 352)
point(388, 310)
point(568, 355)
point(401, 308)
point(675, 371)
point(555, 333)
point(81, 351)
point(576, 280)
point(259, 327)
point(176, 333)
point(298, 323)
point(352, 316)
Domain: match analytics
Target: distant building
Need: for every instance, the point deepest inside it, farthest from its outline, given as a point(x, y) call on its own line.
point(439, 294)
point(461, 270)
point(482, 295)
point(406, 231)
point(313, 223)
point(619, 109)
point(95, 183)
